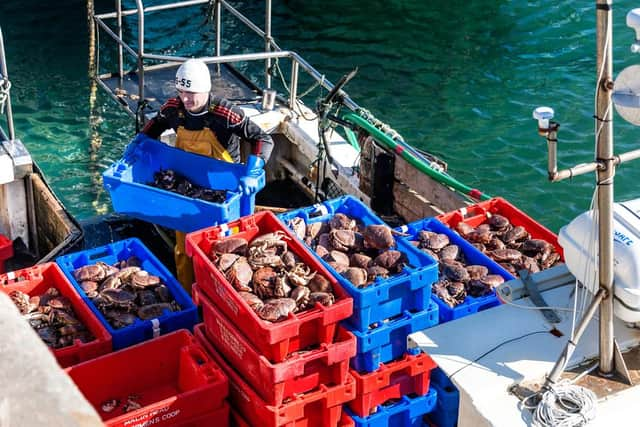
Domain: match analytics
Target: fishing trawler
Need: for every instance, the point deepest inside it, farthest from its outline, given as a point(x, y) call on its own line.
point(338, 148)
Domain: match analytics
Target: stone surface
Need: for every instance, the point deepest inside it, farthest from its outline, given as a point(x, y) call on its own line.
point(34, 390)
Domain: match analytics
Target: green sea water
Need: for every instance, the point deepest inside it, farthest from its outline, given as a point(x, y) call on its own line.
point(459, 79)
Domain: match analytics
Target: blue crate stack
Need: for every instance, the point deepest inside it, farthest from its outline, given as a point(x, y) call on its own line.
point(385, 312)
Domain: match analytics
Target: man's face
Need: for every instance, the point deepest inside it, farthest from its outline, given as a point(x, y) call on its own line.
point(194, 102)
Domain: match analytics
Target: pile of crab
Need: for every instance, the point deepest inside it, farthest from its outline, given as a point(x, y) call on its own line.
point(510, 246)
point(124, 292)
point(52, 317)
point(457, 277)
point(269, 277)
point(360, 254)
point(170, 180)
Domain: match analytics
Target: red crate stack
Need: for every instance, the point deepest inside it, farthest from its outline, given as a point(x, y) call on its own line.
point(166, 381)
point(320, 407)
point(407, 376)
point(293, 372)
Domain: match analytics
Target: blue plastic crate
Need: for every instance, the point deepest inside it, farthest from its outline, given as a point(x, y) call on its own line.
point(385, 298)
point(127, 181)
point(445, 413)
point(408, 412)
point(389, 341)
point(471, 304)
point(141, 330)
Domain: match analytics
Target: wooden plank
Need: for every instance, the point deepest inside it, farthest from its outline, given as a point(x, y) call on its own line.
point(412, 206)
point(53, 223)
point(438, 194)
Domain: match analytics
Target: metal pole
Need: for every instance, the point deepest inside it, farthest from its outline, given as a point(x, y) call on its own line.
point(604, 144)
point(294, 84)
point(218, 32)
point(120, 60)
point(140, 49)
point(12, 133)
point(267, 43)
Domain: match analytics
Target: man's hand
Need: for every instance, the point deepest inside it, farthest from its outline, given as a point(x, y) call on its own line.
point(250, 182)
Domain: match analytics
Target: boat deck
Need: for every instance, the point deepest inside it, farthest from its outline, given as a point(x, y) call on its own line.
point(485, 362)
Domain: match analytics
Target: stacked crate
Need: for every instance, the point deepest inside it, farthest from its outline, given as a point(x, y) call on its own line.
point(167, 381)
point(392, 384)
point(6, 251)
point(291, 372)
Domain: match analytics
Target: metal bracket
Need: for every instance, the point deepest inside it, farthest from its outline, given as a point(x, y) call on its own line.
point(536, 297)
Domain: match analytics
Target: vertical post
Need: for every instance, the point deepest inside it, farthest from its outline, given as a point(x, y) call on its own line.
point(604, 148)
point(218, 32)
point(140, 49)
point(12, 132)
point(293, 92)
point(267, 43)
point(120, 60)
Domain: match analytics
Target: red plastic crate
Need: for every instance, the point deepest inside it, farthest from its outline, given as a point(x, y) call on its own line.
point(319, 408)
point(6, 250)
point(35, 281)
point(171, 377)
point(409, 375)
point(274, 340)
point(299, 373)
point(219, 418)
point(475, 215)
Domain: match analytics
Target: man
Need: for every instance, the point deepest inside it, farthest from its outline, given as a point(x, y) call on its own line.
point(208, 125)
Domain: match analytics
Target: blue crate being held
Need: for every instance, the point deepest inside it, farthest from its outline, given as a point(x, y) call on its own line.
point(408, 412)
point(140, 330)
point(389, 340)
point(473, 256)
point(127, 181)
point(384, 298)
point(445, 413)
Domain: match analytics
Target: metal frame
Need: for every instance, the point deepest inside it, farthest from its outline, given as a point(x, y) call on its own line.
point(272, 50)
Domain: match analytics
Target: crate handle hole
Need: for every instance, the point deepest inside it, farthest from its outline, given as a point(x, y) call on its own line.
point(100, 254)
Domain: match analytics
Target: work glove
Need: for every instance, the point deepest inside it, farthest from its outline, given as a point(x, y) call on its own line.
point(251, 182)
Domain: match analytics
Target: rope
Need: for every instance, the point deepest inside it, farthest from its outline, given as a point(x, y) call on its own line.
point(5, 87)
point(565, 405)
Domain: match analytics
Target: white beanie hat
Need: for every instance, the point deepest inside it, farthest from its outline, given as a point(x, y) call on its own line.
point(193, 76)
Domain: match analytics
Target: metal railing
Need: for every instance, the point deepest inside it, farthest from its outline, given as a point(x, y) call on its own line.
point(5, 94)
point(272, 50)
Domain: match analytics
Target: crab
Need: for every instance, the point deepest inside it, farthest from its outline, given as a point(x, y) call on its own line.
point(90, 288)
point(374, 271)
point(119, 319)
point(319, 283)
point(147, 297)
point(153, 311)
point(94, 272)
point(391, 260)
point(225, 261)
point(477, 288)
point(455, 271)
point(111, 282)
point(440, 290)
point(551, 260)
point(476, 271)
point(21, 300)
point(126, 273)
point(300, 274)
point(338, 257)
point(505, 255)
point(463, 228)
point(314, 229)
point(357, 276)
point(163, 293)
point(298, 226)
point(142, 280)
point(432, 240)
point(498, 222)
point(289, 260)
point(457, 291)
point(342, 240)
point(277, 309)
point(264, 280)
point(240, 274)
point(515, 234)
point(323, 298)
point(450, 252)
point(378, 236)
point(300, 295)
point(119, 298)
point(359, 260)
point(340, 221)
point(251, 299)
point(231, 245)
point(539, 248)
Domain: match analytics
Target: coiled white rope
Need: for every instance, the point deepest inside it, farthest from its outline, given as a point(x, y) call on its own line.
point(565, 405)
point(5, 87)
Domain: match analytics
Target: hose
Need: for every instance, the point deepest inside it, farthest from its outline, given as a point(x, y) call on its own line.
point(421, 164)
